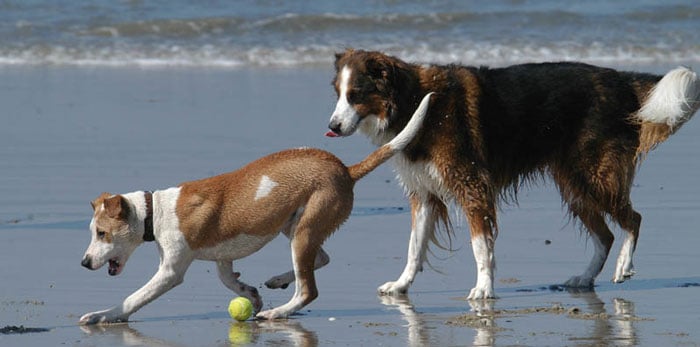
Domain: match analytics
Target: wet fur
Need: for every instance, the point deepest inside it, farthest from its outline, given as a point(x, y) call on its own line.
point(492, 130)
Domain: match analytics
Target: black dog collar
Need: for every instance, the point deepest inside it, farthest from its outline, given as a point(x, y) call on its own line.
point(148, 222)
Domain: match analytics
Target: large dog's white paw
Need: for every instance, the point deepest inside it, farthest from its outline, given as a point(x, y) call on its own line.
point(623, 273)
point(481, 293)
point(102, 317)
point(393, 288)
point(579, 282)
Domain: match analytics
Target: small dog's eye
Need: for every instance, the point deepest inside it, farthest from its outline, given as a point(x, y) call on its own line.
point(101, 234)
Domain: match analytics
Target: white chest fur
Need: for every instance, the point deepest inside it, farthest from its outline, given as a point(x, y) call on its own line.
point(421, 178)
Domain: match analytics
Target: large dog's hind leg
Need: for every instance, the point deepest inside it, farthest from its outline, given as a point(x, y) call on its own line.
point(230, 280)
point(424, 220)
point(602, 240)
point(630, 221)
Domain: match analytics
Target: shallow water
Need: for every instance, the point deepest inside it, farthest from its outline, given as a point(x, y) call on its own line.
point(68, 134)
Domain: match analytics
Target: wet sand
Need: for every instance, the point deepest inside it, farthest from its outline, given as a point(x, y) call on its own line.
point(68, 134)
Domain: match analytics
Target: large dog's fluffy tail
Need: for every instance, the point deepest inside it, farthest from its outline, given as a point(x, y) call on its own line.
point(669, 104)
point(399, 142)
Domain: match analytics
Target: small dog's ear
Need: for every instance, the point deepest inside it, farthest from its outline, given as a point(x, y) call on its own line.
point(98, 200)
point(116, 207)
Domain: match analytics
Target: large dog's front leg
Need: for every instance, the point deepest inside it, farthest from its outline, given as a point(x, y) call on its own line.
point(482, 246)
point(424, 219)
point(483, 237)
point(170, 274)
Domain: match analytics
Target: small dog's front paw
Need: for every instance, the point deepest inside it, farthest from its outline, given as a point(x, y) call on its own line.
point(393, 288)
point(101, 317)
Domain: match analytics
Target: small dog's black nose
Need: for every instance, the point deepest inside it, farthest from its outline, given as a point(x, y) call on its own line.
point(86, 262)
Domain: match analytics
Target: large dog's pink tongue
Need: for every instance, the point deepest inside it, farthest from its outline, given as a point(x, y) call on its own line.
point(331, 133)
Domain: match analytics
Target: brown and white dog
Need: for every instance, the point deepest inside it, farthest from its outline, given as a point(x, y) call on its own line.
point(491, 130)
point(304, 193)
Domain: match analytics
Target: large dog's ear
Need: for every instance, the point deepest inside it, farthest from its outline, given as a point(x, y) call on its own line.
point(116, 207)
point(378, 68)
point(339, 56)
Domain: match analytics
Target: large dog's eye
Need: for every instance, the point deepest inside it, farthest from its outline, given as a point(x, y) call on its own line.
point(353, 95)
point(101, 234)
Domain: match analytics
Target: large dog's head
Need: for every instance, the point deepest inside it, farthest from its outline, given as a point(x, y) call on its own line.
point(116, 232)
point(372, 88)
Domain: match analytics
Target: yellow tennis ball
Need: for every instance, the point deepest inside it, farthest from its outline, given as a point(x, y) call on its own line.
point(240, 308)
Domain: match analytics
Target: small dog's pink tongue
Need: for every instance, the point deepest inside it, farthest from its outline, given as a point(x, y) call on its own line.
point(331, 133)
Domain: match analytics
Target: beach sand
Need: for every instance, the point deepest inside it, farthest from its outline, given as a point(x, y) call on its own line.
point(68, 134)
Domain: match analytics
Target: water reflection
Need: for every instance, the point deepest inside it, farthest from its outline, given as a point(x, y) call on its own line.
point(417, 330)
point(296, 334)
point(276, 333)
point(616, 326)
point(125, 335)
point(600, 323)
point(588, 321)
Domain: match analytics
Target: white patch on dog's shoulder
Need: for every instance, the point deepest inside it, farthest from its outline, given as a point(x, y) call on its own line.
point(265, 187)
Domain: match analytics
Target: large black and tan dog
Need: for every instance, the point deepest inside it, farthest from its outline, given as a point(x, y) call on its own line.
point(489, 130)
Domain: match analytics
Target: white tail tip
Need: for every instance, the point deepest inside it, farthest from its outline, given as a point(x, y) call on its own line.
point(673, 100)
point(414, 124)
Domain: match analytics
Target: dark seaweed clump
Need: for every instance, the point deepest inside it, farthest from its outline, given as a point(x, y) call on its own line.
point(13, 329)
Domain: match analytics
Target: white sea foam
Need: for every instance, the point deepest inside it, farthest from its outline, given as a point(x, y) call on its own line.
point(262, 34)
point(262, 56)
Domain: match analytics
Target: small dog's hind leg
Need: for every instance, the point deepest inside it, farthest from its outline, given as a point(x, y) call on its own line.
point(282, 281)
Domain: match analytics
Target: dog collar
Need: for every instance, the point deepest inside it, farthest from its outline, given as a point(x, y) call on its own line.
point(148, 222)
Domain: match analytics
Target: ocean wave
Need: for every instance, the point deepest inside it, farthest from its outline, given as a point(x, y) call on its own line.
point(470, 53)
point(187, 28)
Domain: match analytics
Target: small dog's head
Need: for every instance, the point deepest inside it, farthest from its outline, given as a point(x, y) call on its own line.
point(116, 232)
point(370, 88)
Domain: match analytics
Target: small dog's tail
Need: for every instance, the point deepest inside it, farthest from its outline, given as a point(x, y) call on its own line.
point(383, 153)
point(669, 104)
